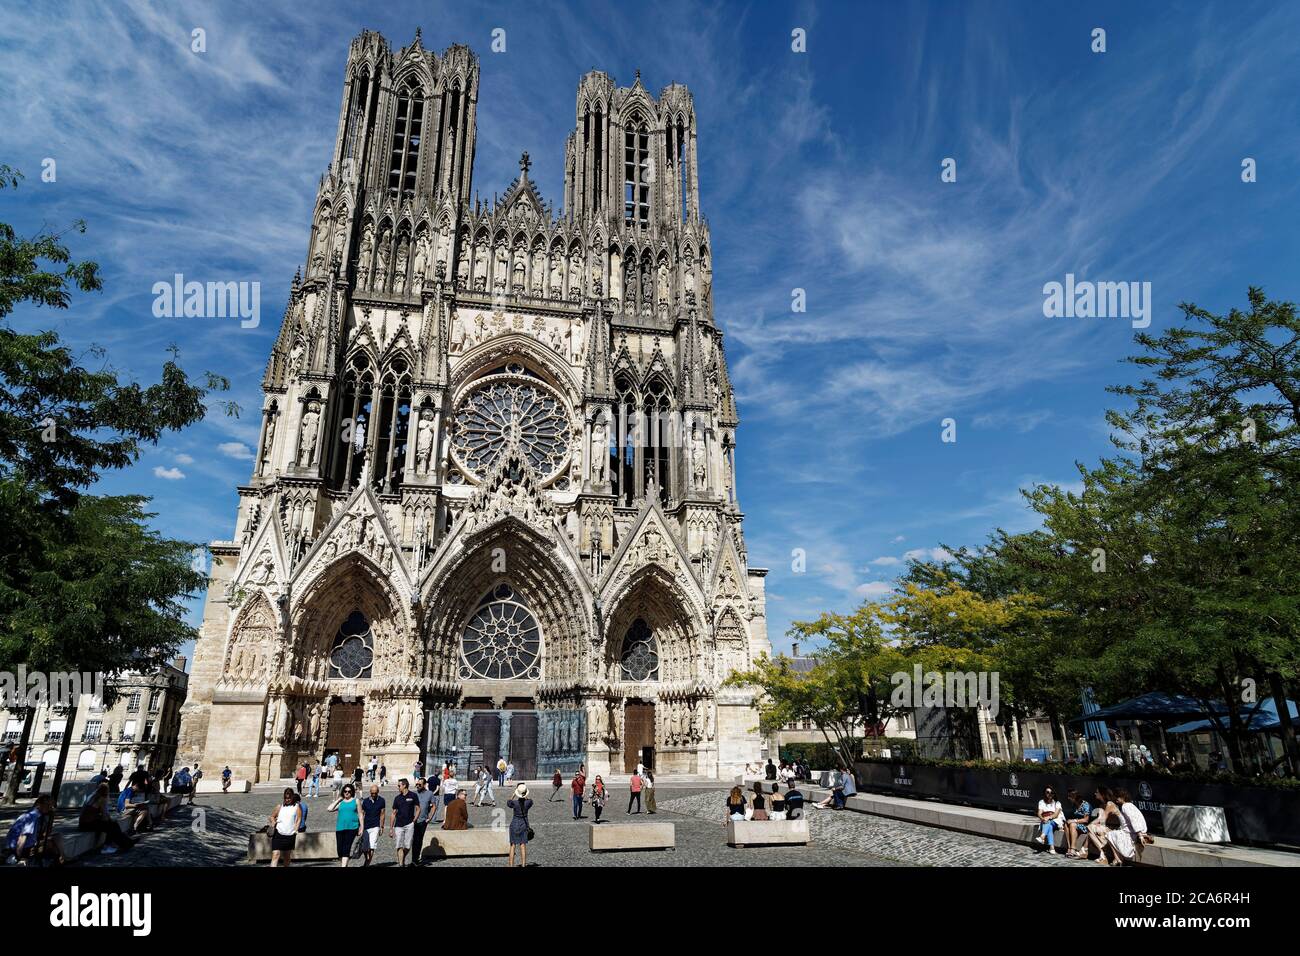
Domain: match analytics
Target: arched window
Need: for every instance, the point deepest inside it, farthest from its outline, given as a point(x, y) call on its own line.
point(657, 439)
point(636, 173)
point(354, 427)
point(87, 759)
point(502, 640)
point(624, 437)
point(404, 154)
point(353, 654)
point(640, 658)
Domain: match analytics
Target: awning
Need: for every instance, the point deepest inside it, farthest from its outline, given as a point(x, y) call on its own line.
point(1155, 706)
point(1256, 717)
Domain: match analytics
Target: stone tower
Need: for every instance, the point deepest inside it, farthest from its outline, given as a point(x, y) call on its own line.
point(493, 510)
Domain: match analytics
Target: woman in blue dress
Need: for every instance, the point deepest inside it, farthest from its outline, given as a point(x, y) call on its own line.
point(519, 830)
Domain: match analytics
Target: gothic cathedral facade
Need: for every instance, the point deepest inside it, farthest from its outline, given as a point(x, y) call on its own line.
point(493, 507)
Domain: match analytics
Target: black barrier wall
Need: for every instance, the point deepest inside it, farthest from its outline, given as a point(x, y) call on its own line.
point(1256, 815)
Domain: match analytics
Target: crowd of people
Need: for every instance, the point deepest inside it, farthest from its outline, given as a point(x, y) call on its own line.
point(641, 787)
point(1112, 828)
point(120, 811)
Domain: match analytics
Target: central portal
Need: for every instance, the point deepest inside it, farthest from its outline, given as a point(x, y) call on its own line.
point(638, 734)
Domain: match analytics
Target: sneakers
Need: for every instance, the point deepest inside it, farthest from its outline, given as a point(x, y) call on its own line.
point(1039, 840)
point(108, 850)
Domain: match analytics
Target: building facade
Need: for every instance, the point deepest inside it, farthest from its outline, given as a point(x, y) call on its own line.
point(493, 510)
point(139, 728)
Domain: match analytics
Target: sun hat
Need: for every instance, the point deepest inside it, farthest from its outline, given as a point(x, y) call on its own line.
point(521, 791)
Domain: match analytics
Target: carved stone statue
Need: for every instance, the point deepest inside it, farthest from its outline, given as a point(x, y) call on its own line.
point(599, 452)
point(309, 437)
point(424, 442)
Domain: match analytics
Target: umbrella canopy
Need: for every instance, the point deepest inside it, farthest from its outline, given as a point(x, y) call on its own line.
point(1156, 705)
point(1256, 717)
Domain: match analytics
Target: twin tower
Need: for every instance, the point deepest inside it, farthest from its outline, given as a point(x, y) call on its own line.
point(493, 511)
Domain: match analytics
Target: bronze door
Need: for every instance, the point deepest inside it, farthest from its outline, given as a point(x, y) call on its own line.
point(485, 736)
point(523, 745)
point(638, 732)
point(344, 736)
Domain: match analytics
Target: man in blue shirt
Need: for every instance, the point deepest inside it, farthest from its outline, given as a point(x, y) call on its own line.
point(405, 807)
point(31, 837)
point(372, 809)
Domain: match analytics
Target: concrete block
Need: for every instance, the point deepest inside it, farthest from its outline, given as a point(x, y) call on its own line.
point(632, 836)
point(1198, 824)
point(320, 845)
point(476, 841)
point(743, 833)
point(213, 785)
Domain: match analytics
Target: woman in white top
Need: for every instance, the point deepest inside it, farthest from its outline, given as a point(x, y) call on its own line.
point(1050, 817)
point(1135, 824)
point(284, 828)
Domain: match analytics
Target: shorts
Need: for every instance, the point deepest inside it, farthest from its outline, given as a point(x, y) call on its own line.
point(372, 838)
point(447, 798)
point(281, 842)
point(402, 836)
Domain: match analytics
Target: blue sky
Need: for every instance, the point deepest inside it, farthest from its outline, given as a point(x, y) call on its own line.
point(819, 171)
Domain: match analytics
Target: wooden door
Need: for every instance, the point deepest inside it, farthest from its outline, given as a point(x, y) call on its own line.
point(523, 745)
point(485, 736)
point(344, 736)
point(638, 732)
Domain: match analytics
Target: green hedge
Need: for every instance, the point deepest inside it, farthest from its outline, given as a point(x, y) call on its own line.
point(1100, 770)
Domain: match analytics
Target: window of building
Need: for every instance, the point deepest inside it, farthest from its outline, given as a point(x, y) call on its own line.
point(354, 649)
point(636, 174)
point(404, 154)
point(155, 699)
point(501, 640)
point(133, 702)
point(50, 758)
point(93, 729)
point(128, 731)
point(640, 658)
point(86, 760)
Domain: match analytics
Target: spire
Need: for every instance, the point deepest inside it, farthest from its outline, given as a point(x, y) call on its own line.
point(524, 165)
point(596, 377)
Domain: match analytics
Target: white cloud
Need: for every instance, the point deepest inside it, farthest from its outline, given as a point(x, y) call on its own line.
point(927, 554)
point(184, 459)
point(886, 560)
point(874, 589)
point(170, 474)
point(236, 449)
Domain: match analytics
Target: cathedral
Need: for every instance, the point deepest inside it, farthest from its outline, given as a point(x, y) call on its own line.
point(492, 512)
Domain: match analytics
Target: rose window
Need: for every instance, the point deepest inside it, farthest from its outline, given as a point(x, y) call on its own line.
point(499, 411)
point(353, 652)
point(501, 640)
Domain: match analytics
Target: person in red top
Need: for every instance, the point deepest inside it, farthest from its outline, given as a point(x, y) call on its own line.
point(579, 788)
point(301, 777)
point(635, 795)
point(557, 781)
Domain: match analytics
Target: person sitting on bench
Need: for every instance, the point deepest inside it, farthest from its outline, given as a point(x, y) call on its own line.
point(95, 818)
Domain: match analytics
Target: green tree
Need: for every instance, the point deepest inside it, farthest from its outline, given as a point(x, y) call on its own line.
point(84, 584)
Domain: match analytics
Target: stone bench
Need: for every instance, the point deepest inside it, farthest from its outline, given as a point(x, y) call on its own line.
point(317, 845)
point(476, 841)
point(632, 836)
point(742, 833)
